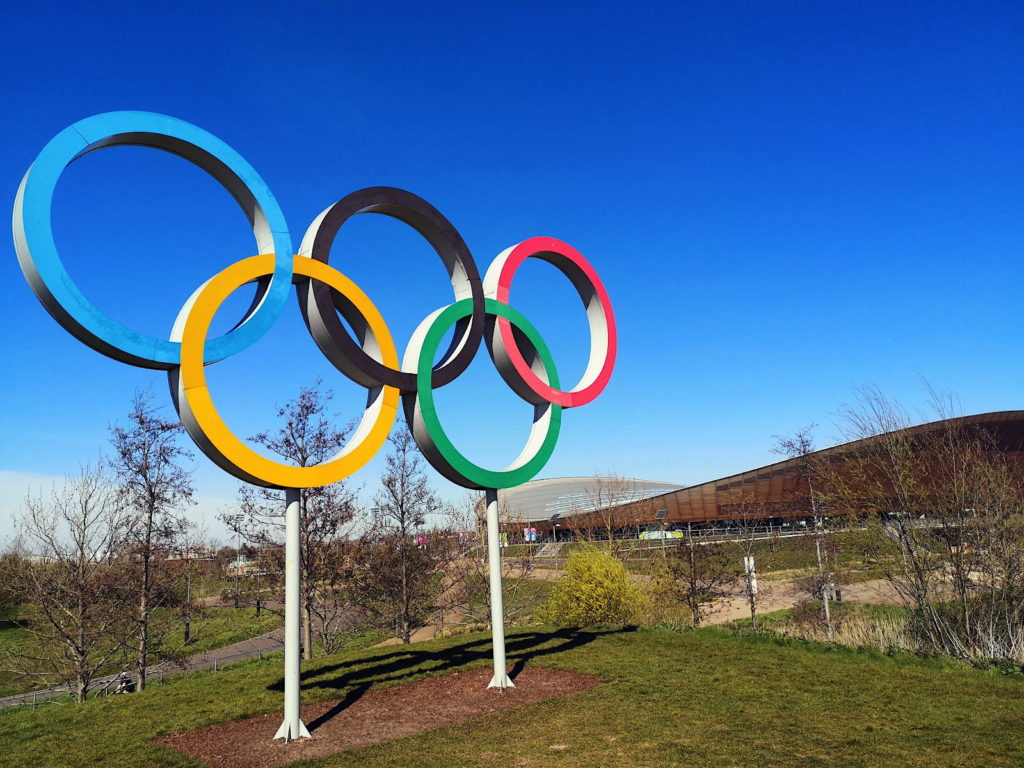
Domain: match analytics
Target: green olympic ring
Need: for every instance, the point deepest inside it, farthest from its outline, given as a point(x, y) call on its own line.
point(421, 412)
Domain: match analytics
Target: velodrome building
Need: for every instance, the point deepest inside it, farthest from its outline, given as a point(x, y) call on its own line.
point(780, 491)
point(565, 500)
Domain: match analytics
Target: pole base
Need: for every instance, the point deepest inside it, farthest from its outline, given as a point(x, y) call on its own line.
point(288, 732)
point(502, 683)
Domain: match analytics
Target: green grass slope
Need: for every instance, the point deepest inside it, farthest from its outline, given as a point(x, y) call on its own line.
point(217, 627)
point(706, 698)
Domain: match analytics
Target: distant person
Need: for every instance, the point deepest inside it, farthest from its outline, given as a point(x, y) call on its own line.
point(125, 684)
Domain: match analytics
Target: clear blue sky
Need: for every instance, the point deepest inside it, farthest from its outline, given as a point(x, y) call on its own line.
point(785, 200)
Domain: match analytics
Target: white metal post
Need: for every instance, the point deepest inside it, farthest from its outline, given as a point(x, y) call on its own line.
point(292, 727)
point(500, 679)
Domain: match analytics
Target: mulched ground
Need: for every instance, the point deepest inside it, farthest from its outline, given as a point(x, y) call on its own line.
point(375, 716)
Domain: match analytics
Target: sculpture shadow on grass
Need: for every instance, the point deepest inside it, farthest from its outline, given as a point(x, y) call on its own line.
point(357, 676)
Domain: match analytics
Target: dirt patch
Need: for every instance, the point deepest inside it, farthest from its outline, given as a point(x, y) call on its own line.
point(360, 720)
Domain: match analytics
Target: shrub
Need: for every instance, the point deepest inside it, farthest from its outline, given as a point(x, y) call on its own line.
point(595, 589)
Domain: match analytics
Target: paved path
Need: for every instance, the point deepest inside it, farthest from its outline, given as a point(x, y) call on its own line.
point(777, 595)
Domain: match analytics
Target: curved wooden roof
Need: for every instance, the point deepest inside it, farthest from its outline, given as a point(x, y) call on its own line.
point(781, 488)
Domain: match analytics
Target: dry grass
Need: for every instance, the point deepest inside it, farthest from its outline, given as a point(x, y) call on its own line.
point(861, 627)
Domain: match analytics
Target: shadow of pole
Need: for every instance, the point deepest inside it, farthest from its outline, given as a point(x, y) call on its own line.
point(360, 675)
point(354, 694)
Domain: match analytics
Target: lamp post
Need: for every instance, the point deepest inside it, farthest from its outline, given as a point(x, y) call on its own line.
point(238, 566)
point(188, 594)
point(259, 581)
point(639, 545)
point(659, 517)
point(554, 526)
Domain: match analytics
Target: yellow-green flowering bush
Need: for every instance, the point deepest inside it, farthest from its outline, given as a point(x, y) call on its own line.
point(595, 589)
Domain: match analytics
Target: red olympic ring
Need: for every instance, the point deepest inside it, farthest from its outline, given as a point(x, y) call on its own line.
point(603, 333)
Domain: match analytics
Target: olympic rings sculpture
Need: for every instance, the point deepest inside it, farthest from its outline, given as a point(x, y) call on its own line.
point(479, 313)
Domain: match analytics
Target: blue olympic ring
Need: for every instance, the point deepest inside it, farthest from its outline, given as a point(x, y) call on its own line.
point(41, 263)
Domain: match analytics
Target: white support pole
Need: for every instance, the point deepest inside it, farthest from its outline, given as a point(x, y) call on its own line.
point(292, 727)
point(500, 679)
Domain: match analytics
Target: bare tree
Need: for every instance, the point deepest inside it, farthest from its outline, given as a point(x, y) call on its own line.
point(697, 573)
point(306, 437)
point(335, 614)
point(153, 488)
point(800, 446)
point(398, 564)
point(752, 534)
point(466, 588)
point(10, 563)
point(66, 575)
point(191, 544)
point(946, 507)
point(613, 505)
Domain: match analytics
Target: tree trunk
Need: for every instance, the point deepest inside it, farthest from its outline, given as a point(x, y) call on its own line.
point(406, 634)
point(823, 579)
point(693, 596)
point(140, 675)
point(82, 678)
point(748, 567)
point(307, 630)
point(144, 606)
point(188, 608)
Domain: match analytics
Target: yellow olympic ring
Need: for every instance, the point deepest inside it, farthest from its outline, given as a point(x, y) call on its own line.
point(207, 428)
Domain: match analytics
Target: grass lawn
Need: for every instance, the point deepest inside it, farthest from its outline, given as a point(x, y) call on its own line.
point(523, 597)
point(211, 587)
point(534, 593)
point(704, 698)
point(222, 626)
point(777, 555)
point(779, 558)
